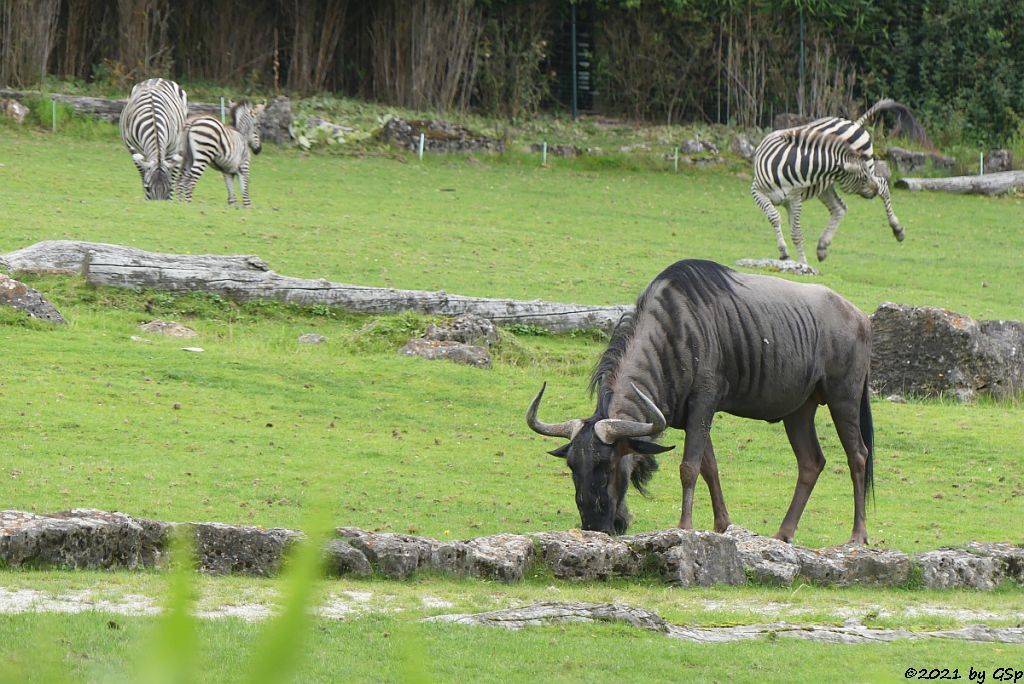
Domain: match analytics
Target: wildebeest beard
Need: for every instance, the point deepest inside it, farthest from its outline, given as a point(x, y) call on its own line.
point(601, 474)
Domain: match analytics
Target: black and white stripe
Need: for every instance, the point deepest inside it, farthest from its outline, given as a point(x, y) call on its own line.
point(150, 126)
point(796, 164)
point(206, 141)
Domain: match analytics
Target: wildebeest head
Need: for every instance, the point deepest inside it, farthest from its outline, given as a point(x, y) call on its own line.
point(605, 455)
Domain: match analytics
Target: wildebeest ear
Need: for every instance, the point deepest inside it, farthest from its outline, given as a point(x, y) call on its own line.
point(561, 452)
point(643, 447)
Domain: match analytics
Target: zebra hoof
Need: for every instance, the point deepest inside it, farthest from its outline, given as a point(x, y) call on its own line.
point(899, 235)
point(822, 253)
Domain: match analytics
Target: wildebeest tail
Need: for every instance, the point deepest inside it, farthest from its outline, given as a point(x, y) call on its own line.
point(906, 124)
point(867, 433)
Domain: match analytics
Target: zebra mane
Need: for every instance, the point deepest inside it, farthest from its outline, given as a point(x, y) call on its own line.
point(803, 136)
point(236, 108)
point(906, 124)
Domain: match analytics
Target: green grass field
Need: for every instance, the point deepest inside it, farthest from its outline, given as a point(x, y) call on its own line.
point(258, 428)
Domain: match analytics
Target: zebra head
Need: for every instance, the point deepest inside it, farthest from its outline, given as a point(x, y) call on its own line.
point(156, 178)
point(246, 120)
point(860, 177)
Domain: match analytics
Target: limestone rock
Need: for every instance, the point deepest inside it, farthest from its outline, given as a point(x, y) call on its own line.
point(958, 569)
point(1009, 556)
point(169, 328)
point(452, 351)
point(851, 564)
point(998, 161)
point(583, 555)
point(468, 329)
point(689, 557)
point(312, 338)
point(743, 146)
point(929, 352)
point(242, 549)
point(779, 266)
point(276, 120)
point(765, 559)
point(504, 557)
point(81, 538)
point(438, 136)
point(18, 295)
point(345, 559)
point(13, 109)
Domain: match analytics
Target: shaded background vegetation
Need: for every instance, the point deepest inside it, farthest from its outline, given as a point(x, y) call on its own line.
point(956, 62)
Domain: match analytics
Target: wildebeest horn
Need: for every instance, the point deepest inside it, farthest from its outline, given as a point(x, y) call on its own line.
point(610, 430)
point(568, 429)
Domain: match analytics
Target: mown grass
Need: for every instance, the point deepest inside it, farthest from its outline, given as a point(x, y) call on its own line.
point(258, 428)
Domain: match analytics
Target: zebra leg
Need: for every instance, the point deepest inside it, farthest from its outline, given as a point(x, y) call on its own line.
point(775, 217)
point(229, 181)
point(894, 223)
point(837, 210)
point(243, 182)
point(189, 178)
point(793, 208)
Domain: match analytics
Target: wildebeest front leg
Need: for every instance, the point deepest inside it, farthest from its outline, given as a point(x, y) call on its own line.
point(809, 460)
point(709, 471)
point(695, 445)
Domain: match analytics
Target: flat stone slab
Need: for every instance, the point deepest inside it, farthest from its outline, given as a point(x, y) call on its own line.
point(980, 565)
point(549, 613)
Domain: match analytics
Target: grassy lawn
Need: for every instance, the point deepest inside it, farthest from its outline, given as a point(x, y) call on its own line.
point(258, 428)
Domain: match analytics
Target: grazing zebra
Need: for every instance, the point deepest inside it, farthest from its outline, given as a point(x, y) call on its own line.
point(795, 164)
point(205, 140)
point(150, 126)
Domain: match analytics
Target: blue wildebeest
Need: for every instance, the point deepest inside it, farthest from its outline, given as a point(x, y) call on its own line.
point(702, 339)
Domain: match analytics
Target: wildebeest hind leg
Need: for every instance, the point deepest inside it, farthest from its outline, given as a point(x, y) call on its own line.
point(709, 471)
point(846, 417)
point(809, 460)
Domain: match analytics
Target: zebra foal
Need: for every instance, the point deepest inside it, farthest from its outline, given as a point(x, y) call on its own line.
point(150, 126)
point(206, 141)
point(796, 164)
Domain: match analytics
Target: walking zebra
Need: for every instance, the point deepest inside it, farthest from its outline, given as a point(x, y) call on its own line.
point(205, 140)
point(800, 163)
point(150, 126)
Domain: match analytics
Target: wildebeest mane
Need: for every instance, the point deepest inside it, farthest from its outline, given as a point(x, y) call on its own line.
point(695, 280)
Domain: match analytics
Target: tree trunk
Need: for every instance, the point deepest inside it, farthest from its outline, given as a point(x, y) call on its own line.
point(249, 278)
point(988, 184)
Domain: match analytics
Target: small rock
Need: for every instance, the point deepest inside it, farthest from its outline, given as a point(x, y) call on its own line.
point(13, 109)
point(169, 328)
point(998, 161)
point(312, 338)
point(451, 351)
point(467, 329)
point(19, 296)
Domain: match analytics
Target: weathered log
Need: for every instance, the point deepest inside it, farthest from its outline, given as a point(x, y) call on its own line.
point(988, 184)
point(101, 108)
point(249, 278)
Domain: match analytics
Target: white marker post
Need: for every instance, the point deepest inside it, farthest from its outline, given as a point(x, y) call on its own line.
point(981, 163)
point(420, 152)
point(53, 115)
point(544, 153)
point(675, 160)
point(222, 119)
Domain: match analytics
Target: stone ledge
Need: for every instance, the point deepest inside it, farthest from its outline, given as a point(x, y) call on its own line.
point(93, 539)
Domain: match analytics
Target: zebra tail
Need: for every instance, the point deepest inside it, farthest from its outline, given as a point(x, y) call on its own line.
point(906, 124)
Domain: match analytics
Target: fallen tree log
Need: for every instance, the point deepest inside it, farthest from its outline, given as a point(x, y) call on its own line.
point(101, 108)
point(249, 278)
point(988, 184)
